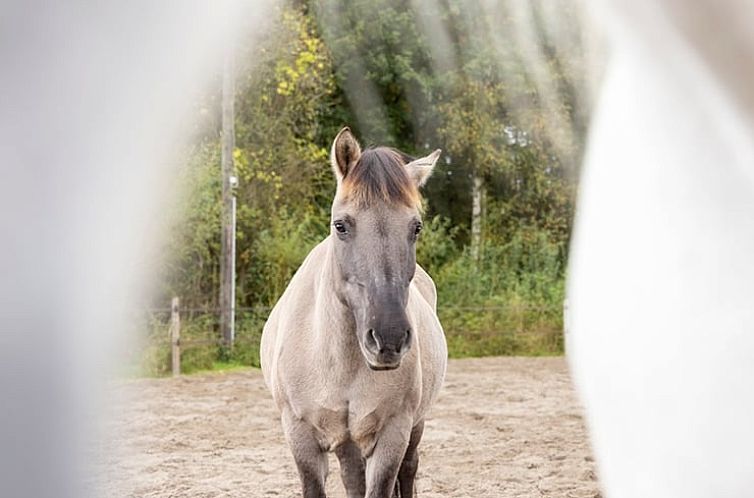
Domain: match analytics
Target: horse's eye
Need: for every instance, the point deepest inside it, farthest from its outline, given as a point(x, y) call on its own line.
point(340, 227)
point(418, 228)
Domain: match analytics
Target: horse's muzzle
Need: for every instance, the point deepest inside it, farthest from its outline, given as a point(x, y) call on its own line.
point(387, 350)
point(382, 368)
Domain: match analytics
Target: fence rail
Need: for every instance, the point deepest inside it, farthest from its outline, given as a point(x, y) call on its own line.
point(269, 308)
point(470, 330)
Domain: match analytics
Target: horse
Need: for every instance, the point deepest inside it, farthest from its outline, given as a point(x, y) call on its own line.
point(353, 352)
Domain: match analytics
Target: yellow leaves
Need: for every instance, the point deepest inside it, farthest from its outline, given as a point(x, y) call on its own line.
point(269, 177)
point(284, 88)
point(241, 163)
point(306, 61)
point(312, 153)
point(250, 167)
point(290, 74)
point(239, 156)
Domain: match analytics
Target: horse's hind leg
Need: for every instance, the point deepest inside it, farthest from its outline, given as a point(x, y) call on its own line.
point(407, 472)
point(352, 469)
point(311, 460)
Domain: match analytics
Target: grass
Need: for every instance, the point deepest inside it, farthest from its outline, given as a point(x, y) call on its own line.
point(223, 367)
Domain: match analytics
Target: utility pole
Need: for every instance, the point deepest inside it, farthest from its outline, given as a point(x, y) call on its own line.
point(477, 192)
point(227, 257)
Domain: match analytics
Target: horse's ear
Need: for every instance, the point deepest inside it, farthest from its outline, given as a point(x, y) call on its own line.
point(344, 153)
point(421, 169)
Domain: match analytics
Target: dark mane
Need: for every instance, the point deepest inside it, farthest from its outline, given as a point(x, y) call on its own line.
point(380, 175)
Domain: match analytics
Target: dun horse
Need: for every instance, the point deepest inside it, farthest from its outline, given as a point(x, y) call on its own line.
point(353, 352)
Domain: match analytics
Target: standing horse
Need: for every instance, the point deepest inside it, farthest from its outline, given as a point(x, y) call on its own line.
point(353, 352)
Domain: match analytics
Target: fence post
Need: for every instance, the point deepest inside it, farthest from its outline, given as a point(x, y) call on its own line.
point(175, 335)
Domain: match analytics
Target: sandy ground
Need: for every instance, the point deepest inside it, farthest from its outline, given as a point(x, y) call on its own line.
point(503, 427)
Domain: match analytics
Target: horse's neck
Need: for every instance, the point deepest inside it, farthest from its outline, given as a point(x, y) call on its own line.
point(335, 324)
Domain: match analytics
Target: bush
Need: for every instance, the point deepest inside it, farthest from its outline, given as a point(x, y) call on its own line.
point(506, 302)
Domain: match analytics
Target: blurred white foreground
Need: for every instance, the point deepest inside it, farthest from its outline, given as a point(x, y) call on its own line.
point(662, 275)
point(95, 99)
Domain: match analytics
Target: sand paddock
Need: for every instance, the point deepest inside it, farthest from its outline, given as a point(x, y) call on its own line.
point(503, 427)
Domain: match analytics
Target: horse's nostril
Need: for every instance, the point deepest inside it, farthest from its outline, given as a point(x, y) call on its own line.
point(405, 344)
point(372, 342)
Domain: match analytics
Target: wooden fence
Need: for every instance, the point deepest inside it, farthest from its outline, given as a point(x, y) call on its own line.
point(176, 344)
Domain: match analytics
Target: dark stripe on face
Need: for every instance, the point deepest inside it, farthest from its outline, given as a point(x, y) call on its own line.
point(382, 228)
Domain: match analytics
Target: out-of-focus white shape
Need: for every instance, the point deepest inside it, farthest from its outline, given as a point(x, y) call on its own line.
point(662, 270)
point(93, 102)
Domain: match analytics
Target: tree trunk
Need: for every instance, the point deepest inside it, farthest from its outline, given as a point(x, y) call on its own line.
point(477, 192)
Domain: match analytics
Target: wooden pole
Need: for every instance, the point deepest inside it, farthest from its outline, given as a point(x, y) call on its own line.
point(227, 246)
point(232, 317)
point(175, 335)
point(477, 183)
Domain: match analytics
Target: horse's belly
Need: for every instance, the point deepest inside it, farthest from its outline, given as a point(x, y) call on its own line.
point(434, 364)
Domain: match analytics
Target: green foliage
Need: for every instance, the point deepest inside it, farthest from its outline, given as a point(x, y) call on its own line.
point(509, 301)
point(529, 271)
point(382, 64)
point(437, 245)
point(200, 345)
point(282, 247)
point(284, 125)
point(192, 268)
point(368, 64)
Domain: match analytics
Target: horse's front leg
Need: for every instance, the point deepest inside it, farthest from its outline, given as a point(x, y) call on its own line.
point(386, 458)
point(407, 473)
point(311, 460)
point(351, 469)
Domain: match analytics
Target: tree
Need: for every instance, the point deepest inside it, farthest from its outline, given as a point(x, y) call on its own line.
point(382, 64)
point(503, 102)
point(288, 112)
point(492, 121)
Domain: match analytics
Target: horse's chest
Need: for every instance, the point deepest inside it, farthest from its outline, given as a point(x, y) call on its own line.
point(350, 406)
point(348, 422)
point(338, 418)
point(331, 425)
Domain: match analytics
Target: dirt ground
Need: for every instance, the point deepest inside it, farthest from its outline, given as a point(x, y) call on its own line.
point(503, 427)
